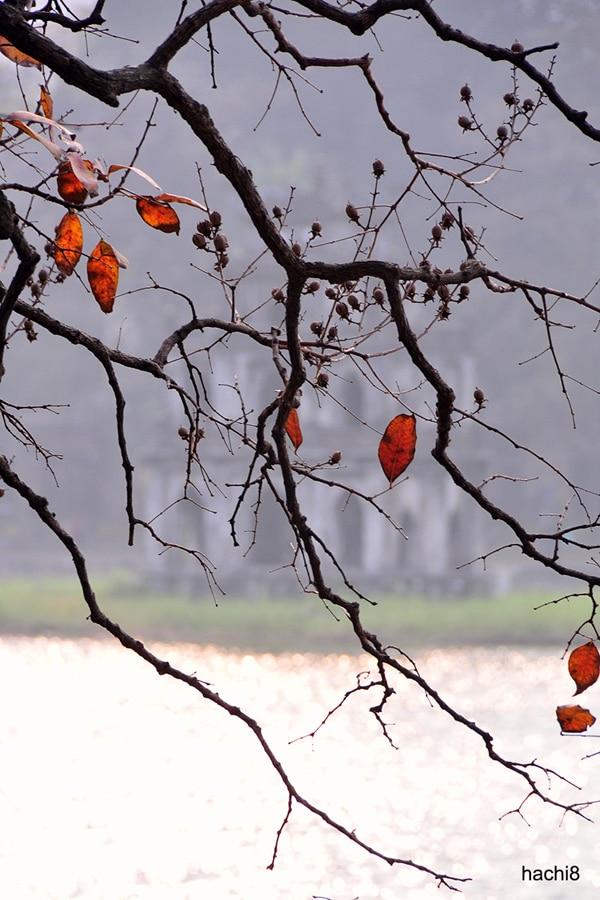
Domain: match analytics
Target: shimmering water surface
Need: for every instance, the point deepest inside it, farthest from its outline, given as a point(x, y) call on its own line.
point(118, 784)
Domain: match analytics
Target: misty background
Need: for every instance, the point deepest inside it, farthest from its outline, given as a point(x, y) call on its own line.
point(547, 233)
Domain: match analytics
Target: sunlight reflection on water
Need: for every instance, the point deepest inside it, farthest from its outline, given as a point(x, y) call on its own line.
point(118, 784)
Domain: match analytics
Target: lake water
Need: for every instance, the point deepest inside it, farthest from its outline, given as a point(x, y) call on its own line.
point(118, 784)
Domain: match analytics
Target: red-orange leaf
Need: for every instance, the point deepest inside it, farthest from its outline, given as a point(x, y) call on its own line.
point(584, 666)
point(292, 427)
point(69, 186)
point(397, 446)
point(68, 243)
point(158, 214)
point(17, 56)
point(574, 719)
point(103, 275)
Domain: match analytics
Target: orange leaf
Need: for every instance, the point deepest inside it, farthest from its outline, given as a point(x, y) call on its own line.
point(17, 56)
point(103, 275)
point(574, 719)
point(46, 104)
point(397, 446)
point(292, 427)
point(69, 186)
point(158, 214)
point(68, 243)
point(584, 666)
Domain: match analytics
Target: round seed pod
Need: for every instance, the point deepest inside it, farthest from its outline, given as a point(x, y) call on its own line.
point(466, 93)
point(313, 287)
point(215, 218)
point(436, 233)
point(316, 228)
point(278, 295)
point(323, 379)
point(277, 212)
point(352, 212)
point(502, 132)
point(296, 248)
point(378, 295)
point(199, 241)
point(478, 396)
point(221, 242)
point(204, 228)
point(342, 310)
point(517, 47)
point(378, 168)
point(465, 123)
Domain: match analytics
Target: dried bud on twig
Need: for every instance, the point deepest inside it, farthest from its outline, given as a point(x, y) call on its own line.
point(221, 242)
point(352, 212)
point(378, 168)
point(465, 93)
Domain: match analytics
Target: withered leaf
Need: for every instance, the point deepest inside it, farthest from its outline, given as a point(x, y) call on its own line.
point(397, 446)
point(68, 243)
point(292, 427)
point(46, 104)
point(574, 719)
point(584, 666)
point(69, 185)
point(17, 56)
point(103, 275)
point(158, 214)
